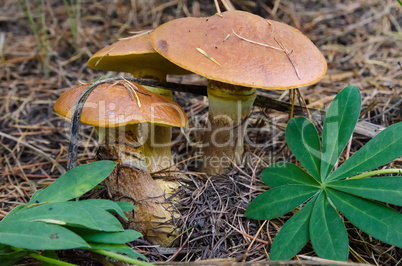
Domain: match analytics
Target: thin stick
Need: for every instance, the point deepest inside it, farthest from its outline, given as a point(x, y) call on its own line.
point(292, 96)
point(255, 237)
point(228, 5)
point(304, 103)
point(72, 158)
point(258, 43)
point(218, 9)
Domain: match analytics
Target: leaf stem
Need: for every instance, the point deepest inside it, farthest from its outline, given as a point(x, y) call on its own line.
point(377, 172)
point(50, 260)
point(122, 257)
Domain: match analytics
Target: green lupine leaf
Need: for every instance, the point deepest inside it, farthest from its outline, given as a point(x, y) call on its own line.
point(327, 231)
point(373, 218)
point(38, 235)
point(122, 248)
point(107, 205)
point(78, 180)
point(303, 140)
point(385, 188)
point(281, 174)
point(294, 234)
point(339, 123)
point(279, 201)
point(382, 149)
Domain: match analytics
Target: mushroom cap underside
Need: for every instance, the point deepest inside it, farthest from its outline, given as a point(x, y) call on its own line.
point(233, 49)
point(132, 54)
point(113, 105)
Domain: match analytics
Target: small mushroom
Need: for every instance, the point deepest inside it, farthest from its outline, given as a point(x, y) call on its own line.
point(117, 111)
point(136, 55)
point(237, 52)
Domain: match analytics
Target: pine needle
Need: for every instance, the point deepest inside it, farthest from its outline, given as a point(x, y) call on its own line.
point(208, 56)
point(258, 43)
point(288, 55)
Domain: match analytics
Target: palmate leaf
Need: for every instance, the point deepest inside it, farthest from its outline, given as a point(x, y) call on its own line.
point(293, 235)
point(382, 149)
point(78, 180)
point(373, 218)
point(386, 188)
point(303, 140)
point(38, 236)
point(281, 174)
point(279, 201)
point(327, 231)
point(339, 123)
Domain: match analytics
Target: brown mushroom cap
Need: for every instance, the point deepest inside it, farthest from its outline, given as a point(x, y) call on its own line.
point(110, 105)
point(238, 61)
point(131, 54)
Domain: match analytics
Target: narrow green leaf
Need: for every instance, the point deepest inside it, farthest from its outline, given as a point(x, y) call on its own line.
point(13, 211)
point(375, 219)
point(122, 248)
point(382, 149)
point(125, 206)
point(76, 182)
point(50, 254)
point(106, 205)
point(8, 256)
point(38, 235)
point(64, 212)
point(302, 138)
point(106, 221)
point(107, 237)
point(339, 123)
point(283, 173)
point(385, 188)
point(294, 234)
point(279, 201)
point(327, 231)
point(72, 213)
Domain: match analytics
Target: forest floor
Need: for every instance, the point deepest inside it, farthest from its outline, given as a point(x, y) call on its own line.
point(361, 40)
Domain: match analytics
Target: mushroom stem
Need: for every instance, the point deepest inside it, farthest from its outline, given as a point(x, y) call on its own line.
point(154, 214)
point(159, 139)
point(158, 145)
point(229, 105)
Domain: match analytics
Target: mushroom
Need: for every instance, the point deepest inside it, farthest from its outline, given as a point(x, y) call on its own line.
point(136, 55)
point(117, 111)
point(238, 52)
